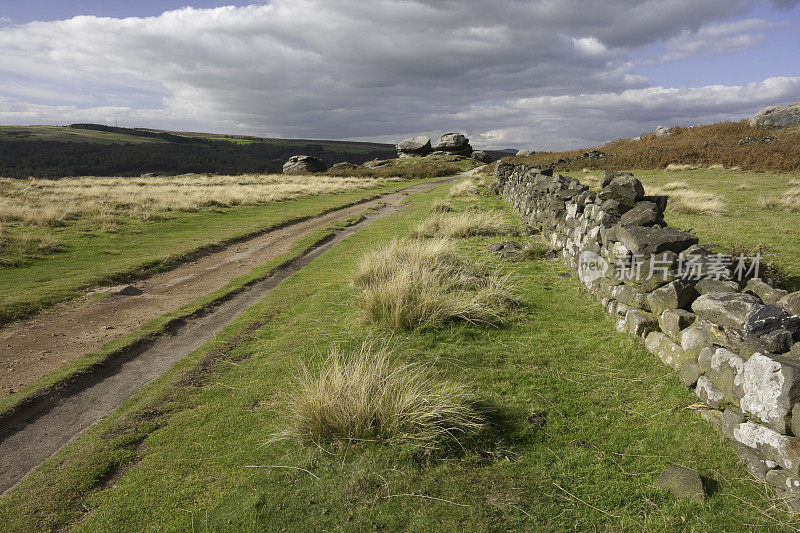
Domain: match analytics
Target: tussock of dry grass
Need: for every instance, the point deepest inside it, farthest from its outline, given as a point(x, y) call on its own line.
point(745, 187)
point(463, 188)
point(409, 284)
point(365, 395)
point(465, 224)
point(675, 186)
point(679, 167)
point(19, 246)
point(716, 166)
point(688, 201)
point(441, 206)
point(52, 202)
point(788, 201)
point(794, 182)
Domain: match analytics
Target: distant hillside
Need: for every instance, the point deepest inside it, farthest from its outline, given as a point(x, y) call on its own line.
point(93, 149)
point(731, 144)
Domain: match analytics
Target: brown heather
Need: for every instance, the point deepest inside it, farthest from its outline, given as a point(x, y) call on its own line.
point(707, 146)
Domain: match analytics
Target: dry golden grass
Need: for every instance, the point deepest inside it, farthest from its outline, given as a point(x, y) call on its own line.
point(591, 180)
point(463, 188)
point(365, 395)
point(16, 247)
point(688, 201)
point(788, 201)
point(716, 166)
point(464, 224)
point(745, 187)
point(441, 206)
point(52, 202)
point(794, 182)
point(409, 284)
point(675, 186)
point(678, 167)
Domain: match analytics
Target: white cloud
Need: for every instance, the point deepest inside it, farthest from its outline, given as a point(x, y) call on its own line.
point(348, 68)
point(589, 46)
point(724, 37)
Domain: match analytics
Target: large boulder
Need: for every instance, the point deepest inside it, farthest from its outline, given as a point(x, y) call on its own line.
point(777, 116)
point(453, 143)
point(414, 147)
point(525, 153)
point(303, 164)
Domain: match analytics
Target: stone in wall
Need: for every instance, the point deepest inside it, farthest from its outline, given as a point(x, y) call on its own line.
point(726, 309)
point(771, 386)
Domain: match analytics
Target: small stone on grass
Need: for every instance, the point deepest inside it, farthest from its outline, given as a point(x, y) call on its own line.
point(683, 483)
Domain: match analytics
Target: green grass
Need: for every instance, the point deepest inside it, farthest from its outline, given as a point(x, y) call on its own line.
point(90, 256)
point(744, 226)
point(583, 420)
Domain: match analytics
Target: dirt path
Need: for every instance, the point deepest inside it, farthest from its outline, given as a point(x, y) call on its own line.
point(37, 432)
point(31, 348)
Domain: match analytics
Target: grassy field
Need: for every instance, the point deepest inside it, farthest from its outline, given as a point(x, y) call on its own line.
point(67, 134)
point(743, 225)
point(580, 420)
point(59, 238)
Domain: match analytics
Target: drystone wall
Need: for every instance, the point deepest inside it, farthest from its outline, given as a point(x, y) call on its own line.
point(732, 340)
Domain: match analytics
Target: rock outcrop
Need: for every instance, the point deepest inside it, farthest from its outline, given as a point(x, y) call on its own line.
point(453, 143)
point(303, 164)
point(481, 156)
point(414, 147)
point(343, 165)
point(662, 131)
point(777, 116)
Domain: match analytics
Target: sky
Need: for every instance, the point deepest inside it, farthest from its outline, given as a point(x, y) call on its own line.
point(538, 74)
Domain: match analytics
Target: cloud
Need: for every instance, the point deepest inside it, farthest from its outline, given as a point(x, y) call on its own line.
point(591, 119)
point(727, 37)
point(346, 68)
